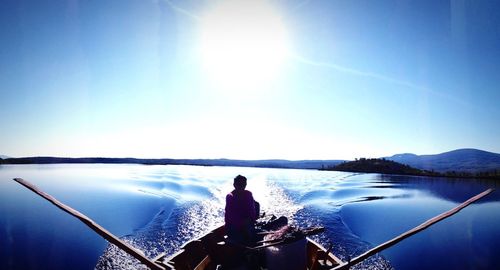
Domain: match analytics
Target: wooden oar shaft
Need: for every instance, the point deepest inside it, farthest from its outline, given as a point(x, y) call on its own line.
point(411, 232)
point(94, 226)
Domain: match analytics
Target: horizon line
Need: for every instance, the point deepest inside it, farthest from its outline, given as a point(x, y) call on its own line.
point(238, 159)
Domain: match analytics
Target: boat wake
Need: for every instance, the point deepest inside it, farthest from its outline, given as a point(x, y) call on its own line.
point(189, 219)
point(305, 202)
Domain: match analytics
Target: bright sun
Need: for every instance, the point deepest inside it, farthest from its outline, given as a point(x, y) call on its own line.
point(243, 44)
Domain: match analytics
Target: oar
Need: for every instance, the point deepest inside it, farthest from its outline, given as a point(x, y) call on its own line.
point(411, 232)
point(94, 226)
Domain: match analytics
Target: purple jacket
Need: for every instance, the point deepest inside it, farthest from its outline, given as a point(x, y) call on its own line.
point(240, 209)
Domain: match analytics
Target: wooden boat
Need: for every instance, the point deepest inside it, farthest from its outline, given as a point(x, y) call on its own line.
point(212, 251)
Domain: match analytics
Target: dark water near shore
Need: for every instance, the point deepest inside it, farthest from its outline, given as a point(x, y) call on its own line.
point(157, 208)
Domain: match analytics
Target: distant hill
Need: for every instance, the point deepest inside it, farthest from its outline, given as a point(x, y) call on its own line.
point(461, 160)
point(385, 166)
point(374, 165)
point(271, 163)
point(4, 157)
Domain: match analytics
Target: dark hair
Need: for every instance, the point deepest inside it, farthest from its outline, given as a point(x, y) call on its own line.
point(240, 179)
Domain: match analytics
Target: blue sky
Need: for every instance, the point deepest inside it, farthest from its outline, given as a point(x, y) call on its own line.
point(248, 79)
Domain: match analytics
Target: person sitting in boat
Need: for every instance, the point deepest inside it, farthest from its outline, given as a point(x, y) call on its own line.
point(240, 213)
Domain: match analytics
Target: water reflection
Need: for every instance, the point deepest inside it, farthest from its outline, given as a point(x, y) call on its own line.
point(454, 239)
point(451, 189)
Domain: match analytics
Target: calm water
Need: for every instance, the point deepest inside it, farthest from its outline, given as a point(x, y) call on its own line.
point(157, 208)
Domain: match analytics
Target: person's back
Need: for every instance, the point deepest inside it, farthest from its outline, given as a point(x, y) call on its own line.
point(240, 214)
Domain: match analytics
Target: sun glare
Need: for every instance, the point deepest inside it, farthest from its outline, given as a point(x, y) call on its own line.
point(243, 43)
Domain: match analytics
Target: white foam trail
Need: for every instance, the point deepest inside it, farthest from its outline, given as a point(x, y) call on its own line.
point(205, 215)
point(209, 213)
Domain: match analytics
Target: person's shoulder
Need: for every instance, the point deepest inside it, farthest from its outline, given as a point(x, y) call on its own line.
point(248, 192)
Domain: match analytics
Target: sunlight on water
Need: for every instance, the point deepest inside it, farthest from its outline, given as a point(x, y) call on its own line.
point(159, 208)
point(306, 199)
point(195, 214)
point(272, 198)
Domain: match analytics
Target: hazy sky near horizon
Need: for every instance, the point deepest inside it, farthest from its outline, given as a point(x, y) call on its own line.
point(248, 79)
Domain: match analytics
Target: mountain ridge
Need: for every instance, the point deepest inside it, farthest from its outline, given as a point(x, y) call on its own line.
point(460, 160)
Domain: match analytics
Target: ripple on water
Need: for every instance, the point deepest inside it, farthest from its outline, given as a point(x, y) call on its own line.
point(198, 208)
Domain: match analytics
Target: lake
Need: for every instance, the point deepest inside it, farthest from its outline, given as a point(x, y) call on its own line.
point(158, 208)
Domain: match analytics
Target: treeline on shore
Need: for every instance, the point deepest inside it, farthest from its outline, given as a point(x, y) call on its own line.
point(381, 165)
